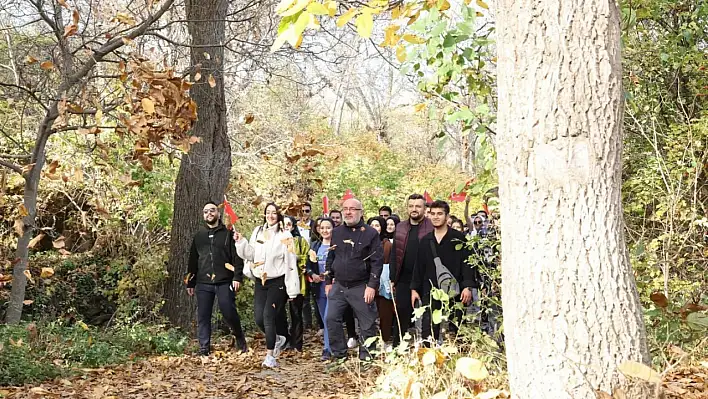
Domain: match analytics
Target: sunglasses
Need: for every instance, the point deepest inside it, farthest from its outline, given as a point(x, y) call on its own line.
point(306, 211)
point(477, 222)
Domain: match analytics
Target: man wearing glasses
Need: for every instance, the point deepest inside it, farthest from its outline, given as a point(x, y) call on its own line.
point(354, 266)
point(215, 270)
point(306, 224)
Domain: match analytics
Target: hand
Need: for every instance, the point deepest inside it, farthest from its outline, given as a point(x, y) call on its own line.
point(467, 199)
point(236, 285)
point(237, 236)
point(190, 291)
point(369, 294)
point(466, 296)
point(414, 297)
point(327, 288)
point(316, 278)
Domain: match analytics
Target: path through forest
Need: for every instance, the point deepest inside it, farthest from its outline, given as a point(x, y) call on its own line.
point(224, 374)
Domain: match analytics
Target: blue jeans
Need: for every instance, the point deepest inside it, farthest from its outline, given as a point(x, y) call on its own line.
point(322, 308)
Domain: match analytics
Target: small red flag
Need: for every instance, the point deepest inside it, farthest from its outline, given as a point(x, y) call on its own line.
point(428, 198)
point(458, 197)
point(325, 205)
point(348, 195)
point(230, 211)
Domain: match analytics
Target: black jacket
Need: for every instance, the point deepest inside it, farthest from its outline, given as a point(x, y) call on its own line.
point(456, 260)
point(212, 249)
point(357, 261)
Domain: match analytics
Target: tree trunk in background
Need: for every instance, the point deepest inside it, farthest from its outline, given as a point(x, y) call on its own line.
point(571, 308)
point(204, 171)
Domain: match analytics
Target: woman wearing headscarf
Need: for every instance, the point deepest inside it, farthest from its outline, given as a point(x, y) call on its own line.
point(274, 269)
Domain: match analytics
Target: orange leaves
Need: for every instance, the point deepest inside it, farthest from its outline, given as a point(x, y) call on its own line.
point(212, 81)
point(46, 65)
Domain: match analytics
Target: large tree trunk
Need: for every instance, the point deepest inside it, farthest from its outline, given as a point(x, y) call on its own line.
point(571, 308)
point(204, 171)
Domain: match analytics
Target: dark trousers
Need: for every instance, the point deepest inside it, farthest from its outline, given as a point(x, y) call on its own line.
point(227, 304)
point(403, 311)
point(350, 323)
point(385, 307)
point(269, 307)
point(307, 308)
point(296, 322)
point(341, 297)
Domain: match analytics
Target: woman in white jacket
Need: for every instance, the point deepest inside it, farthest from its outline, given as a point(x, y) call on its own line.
point(272, 264)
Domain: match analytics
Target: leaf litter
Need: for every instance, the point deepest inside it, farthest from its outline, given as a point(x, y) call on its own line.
point(226, 373)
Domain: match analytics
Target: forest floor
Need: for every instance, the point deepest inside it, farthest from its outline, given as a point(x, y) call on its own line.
point(224, 374)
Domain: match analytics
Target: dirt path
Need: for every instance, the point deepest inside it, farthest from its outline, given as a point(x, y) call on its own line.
point(224, 374)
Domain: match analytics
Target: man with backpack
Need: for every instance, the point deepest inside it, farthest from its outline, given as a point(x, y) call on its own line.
point(442, 265)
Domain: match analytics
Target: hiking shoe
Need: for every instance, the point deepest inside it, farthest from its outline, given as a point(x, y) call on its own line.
point(280, 342)
point(270, 362)
point(326, 355)
point(203, 352)
point(352, 343)
point(241, 345)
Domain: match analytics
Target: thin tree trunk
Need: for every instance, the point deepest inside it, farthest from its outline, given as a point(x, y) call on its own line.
point(204, 171)
point(571, 308)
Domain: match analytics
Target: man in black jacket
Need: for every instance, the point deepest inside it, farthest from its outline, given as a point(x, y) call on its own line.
point(215, 270)
point(354, 266)
point(443, 242)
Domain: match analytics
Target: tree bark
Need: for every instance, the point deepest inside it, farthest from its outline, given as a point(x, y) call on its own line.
point(571, 308)
point(204, 171)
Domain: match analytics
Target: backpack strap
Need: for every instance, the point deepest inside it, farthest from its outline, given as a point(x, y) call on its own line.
point(433, 249)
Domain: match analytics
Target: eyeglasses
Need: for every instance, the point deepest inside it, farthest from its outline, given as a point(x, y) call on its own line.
point(306, 211)
point(210, 210)
point(350, 209)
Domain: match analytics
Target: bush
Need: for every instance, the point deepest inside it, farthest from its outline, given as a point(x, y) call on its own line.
point(33, 353)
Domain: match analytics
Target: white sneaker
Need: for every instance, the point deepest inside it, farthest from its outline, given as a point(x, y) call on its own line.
point(351, 344)
point(320, 332)
point(280, 342)
point(270, 362)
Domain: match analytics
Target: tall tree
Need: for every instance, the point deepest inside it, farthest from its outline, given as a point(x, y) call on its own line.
point(571, 309)
point(79, 47)
point(204, 171)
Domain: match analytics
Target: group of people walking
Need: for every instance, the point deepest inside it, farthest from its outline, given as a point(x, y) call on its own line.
point(369, 274)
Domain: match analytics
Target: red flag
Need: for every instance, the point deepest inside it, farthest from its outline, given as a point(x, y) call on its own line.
point(325, 205)
point(427, 197)
point(230, 211)
point(458, 197)
point(348, 195)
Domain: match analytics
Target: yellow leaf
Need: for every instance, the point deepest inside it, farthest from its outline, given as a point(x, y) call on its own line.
point(99, 116)
point(419, 107)
point(445, 5)
point(23, 210)
point(482, 4)
point(59, 243)
point(82, 325)
point(429, 357)
point(212, 81)
point(33, 242)
point(148, 105)
point(284, 5)
point(471, 368)
point(411, 38)
point(30, 60)
point(46, 272)
point(316, 8)
point(27, 302)
point(364, 24)
point(331, 8)
point(639, 370)
point(229, 266)
point(46, 65)
point(299, 6)
point(207, 55)
point(401, 53)
point(396, 12)
point(28, 275)
point(390, 36)
point(346, 17)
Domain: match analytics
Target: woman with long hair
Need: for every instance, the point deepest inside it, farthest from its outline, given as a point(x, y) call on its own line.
point(274, 269)
point(316, 271)
point(300, 248)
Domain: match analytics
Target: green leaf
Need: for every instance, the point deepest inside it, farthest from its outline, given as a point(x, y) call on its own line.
point(458, 247)
point(640, 371)
point(698, 321)
point(437, 316)
point(418, 312)
point(299, 6)
point(471, 368)
point(370, 341)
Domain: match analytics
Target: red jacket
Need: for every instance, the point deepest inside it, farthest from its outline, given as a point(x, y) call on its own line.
point(400, 241)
